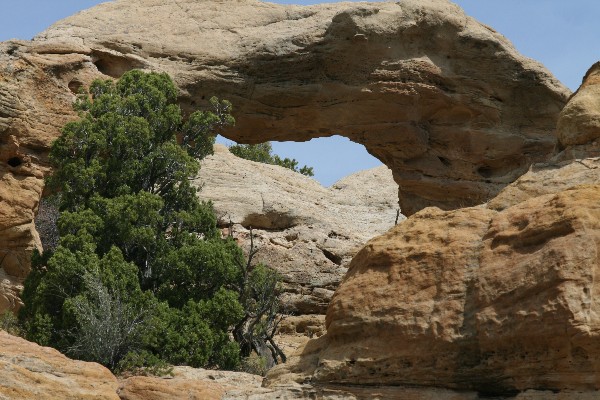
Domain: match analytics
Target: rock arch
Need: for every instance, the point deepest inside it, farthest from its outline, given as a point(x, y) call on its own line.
point(447, 103)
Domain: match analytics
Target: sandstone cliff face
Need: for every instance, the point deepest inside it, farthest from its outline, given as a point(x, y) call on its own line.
point(306, 232)
point(490, 300)
point(35, 102)
point(473, 299)
point(445, 102)
point(495, 300)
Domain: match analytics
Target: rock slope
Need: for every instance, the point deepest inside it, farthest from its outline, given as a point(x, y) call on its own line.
point(30, 372)
point(306, 232)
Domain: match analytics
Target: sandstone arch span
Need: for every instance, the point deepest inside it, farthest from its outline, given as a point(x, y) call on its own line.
point(447, 103)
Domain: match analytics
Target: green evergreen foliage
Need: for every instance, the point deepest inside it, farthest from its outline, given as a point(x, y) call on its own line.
point(10, 323)
point(140, 276)
point(263, 153)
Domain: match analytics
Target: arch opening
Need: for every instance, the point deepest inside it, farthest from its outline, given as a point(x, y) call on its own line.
point(332, 158)
point(15, 162)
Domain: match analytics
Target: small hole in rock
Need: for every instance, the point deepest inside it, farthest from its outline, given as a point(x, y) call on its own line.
point(14, 161)
point(445, 161)
point(485, 171)
point(74, 86)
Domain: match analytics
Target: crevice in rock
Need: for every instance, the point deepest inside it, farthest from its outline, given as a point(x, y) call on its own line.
point(75, 86)
point(334, 258)
point(14, 161)
point(270, 221)
point(445, 161)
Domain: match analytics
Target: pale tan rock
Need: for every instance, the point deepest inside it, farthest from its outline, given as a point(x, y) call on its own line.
point(30, 372)
point(473, 299)
point(548, 178)
point(447, 103)
point(305, 231)
point(578, 128)
point(152, 388)
point(188, 383)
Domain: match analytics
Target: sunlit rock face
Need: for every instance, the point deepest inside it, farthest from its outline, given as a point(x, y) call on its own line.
point(446, 102)
point(493, 302)
point(30, 371)
point(307, 232)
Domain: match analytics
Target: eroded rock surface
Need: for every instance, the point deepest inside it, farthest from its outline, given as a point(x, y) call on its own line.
point(188, 383)
point(548, 178)
point(473, 299)
point(30, 372)
point(303, 230)
point(578, 129)
point(445, 102)
point(35, 102)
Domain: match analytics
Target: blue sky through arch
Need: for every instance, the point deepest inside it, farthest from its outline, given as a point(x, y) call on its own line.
point(560, 34)
point(332, 158)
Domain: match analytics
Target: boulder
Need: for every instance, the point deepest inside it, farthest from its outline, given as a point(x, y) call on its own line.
point(30, 372)
point(493, 302)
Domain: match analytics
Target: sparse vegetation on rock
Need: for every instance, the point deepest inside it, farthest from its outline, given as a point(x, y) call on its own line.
point(263, 152)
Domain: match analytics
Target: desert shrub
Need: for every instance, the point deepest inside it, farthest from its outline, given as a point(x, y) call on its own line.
point(254, 364)
point(140, 276)
point(10, 323)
